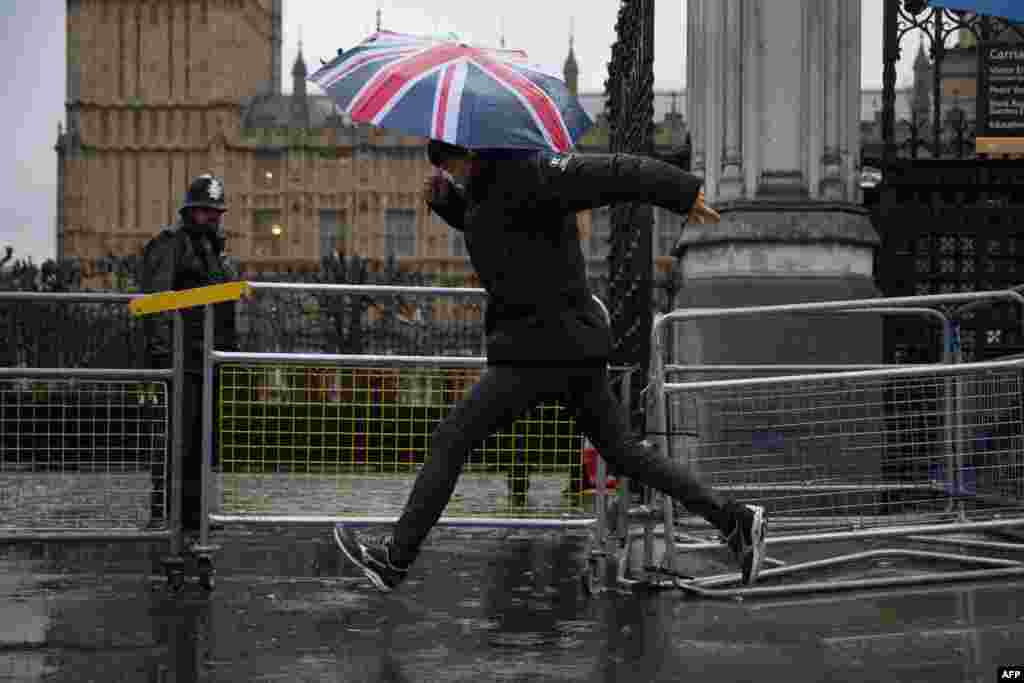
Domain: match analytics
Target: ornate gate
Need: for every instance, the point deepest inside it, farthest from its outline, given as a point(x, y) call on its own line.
point(630, 107)
point(948, 220)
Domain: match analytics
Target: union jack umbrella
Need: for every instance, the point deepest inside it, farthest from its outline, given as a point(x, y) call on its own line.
point(475, 97)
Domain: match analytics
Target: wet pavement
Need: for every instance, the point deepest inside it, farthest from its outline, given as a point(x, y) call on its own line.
point(480, 606)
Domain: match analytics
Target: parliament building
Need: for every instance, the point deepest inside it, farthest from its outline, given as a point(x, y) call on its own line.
point(161, 91)
point(164, 90)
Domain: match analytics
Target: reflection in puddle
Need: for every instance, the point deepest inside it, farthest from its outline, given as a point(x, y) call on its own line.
point(481, 606)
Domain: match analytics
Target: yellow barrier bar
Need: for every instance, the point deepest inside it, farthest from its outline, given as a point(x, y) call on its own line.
point(187, 298)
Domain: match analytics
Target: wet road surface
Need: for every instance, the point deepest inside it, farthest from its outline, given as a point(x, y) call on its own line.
point(480, 606)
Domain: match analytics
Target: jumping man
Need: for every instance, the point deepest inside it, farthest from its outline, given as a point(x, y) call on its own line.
point(546, 336)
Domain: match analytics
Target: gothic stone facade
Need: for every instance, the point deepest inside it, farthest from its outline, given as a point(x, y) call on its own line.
point(163, 90)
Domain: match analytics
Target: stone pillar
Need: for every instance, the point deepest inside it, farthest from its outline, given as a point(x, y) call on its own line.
point(773, 100)
point(774, 111)
point(773, 106)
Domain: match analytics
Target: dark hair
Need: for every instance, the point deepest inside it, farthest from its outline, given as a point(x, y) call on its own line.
point(439, 152)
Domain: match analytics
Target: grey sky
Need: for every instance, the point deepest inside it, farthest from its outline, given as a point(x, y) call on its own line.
point(33, 45)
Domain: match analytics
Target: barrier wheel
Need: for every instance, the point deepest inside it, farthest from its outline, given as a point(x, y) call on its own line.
point(206, 571)
point(174, 569)
point(175, 580)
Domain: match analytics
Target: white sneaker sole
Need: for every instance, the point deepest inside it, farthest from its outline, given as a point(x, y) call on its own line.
point(757, 533)
point(370, 574)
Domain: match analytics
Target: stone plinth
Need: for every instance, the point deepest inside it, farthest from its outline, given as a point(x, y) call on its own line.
point(774, 109)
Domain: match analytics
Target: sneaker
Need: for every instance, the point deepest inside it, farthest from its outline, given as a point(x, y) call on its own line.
point(747, 540)
point(373, 558)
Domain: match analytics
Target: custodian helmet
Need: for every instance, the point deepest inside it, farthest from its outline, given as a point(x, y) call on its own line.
point(205, 191)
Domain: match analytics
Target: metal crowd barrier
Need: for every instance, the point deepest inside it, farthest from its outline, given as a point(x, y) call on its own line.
point(313, 438)
point(845, 453)
point(85, 453)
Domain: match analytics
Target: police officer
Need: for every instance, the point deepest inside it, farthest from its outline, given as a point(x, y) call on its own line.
point(546, 336)
point(186, 254)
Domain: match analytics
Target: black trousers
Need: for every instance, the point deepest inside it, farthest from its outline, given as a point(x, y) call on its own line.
point(501, 396)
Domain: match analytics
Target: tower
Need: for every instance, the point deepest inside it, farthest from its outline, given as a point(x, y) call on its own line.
point(920, 106)
point(571, 70)
point(181, 51)
point(300, 101)
point(153, 91)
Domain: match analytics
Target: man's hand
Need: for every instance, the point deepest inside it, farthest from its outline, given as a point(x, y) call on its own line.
point(435, 188)
point(700, 213)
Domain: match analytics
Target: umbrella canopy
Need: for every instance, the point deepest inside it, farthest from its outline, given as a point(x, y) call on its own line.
point(447, 90)
point(1013, 10)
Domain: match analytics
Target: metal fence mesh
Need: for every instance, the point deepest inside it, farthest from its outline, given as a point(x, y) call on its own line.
point(70, 334)
point(871, 452)
point(302, 440)
point(337, 322)
point(82, 454)
point(990, 438)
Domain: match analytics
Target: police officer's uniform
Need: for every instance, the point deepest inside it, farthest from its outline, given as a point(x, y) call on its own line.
point(186, 255)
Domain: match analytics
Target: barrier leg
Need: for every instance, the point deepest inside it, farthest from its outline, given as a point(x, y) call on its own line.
point(597, 557)
point(174, 563)
point(623, 537)
point(608, 531)
point(668, 507)
point(203, 550)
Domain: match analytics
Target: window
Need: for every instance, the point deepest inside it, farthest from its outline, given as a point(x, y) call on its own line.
point(600, 232)
point(264, 221)
point(401, 232)
point(334, 164)
point(268, 233)
point(333, 232)
point(267, 170)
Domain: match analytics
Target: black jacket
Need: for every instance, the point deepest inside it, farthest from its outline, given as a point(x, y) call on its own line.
point(176, 259)
point(520, 232)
